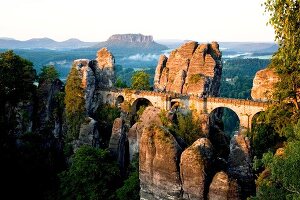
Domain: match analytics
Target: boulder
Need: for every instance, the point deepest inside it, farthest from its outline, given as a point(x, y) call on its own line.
point(222, 188)
point(159, 164)
point(194, 165)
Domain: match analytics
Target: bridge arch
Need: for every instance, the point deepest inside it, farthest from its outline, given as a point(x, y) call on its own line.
point(138, 103)
point(255, 119)
point(119, 100)
point(229, 117)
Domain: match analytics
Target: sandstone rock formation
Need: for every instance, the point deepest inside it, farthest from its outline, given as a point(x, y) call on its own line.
point(222, 188)
point(149, 117)
point(239, 162)
point(194, 165)
point(190, 69)
point(49, 111)
point(115, 136)
point(95, 74)
point(263, 84)
point(88, 135)
point(159, 164)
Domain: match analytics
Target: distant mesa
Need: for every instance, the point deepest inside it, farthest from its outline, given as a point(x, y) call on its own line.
point(131, 41)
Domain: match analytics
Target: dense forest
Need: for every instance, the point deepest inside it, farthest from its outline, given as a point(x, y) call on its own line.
point(38, 133)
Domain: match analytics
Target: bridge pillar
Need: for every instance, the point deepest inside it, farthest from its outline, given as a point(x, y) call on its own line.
point(245, 123)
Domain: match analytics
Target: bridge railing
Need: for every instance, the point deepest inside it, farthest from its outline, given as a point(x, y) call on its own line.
point(190, 96)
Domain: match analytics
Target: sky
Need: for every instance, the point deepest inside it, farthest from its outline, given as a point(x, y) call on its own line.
point(96, 20)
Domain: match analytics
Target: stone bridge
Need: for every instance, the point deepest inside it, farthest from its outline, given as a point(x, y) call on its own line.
point(244, 109)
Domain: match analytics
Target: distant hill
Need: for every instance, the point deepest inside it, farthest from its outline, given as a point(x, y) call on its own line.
point(43, 43)
point(133, 42)
point(253, 47)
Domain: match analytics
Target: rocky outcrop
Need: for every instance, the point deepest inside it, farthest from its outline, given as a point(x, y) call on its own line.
point(159, 164)
point(118, 144)
point(95, 74)
point(222, 188)
point(50, 110)
point(149, 117)
point(263, 84)
point(88, 135)
point(239, 164)
point(194, 165)
point(190, 69)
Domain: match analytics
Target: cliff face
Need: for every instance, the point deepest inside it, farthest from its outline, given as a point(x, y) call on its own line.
point(191, 69)
point(263, 85)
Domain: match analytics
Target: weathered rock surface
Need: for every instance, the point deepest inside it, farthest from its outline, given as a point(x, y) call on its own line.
point(115, 136)
point(222, 188)
point(88, 135)
point(95, 74)
point(239, 164)
point(118, 144)
point(190, 69)
point(159, 164)
point(194, 165)
point(263, 85)
point(149, 117)
point(49, 111)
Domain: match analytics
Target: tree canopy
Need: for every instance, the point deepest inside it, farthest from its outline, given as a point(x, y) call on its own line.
point(48, 73)
point(140, 81)
point(74, 101)
point(285, 19)
point(16, 77)
point(93, 175)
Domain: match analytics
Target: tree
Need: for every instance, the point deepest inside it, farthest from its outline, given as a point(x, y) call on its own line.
point(120, 84)
point(75, 102)
point(285, 19)
point(93, 175)
point(140, 81)
point(16, 77)
point(48, 73)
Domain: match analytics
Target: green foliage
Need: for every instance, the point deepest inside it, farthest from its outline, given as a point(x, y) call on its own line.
point(48, 73)
point(107, 113)
point(92, 175)
point(16, 78)
point(284, 174)
point(263, 136)
point(187, 127)
point(74, 101)
point(285, 19)
point(195, 78)
point(237, 77)
point(131, 187)
point(120, 84)
point(140, 81)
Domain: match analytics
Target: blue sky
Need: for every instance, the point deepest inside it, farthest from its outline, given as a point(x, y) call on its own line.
point(96, 20)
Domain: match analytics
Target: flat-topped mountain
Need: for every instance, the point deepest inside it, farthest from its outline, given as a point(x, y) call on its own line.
point(131, 41)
